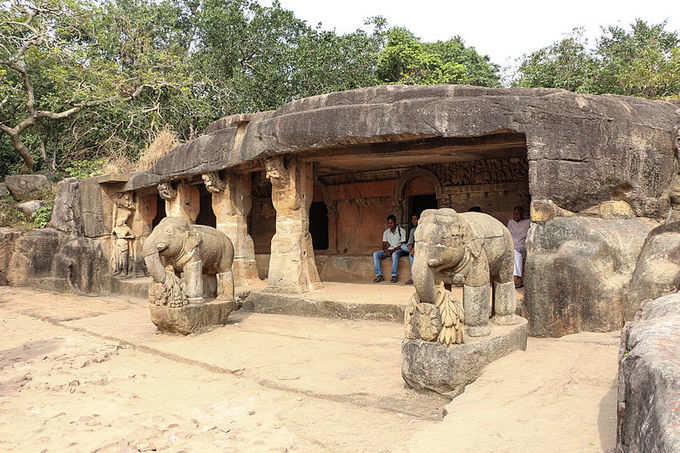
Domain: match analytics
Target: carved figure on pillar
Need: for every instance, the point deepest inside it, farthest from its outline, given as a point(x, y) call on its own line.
point(166, 191)
point(291, 267)
point(213, 182)
point(121, 235)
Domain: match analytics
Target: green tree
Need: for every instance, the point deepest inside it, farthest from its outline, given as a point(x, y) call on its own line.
point(405, 59)
point(642, 61)
point(262, 57)
point(91, 78)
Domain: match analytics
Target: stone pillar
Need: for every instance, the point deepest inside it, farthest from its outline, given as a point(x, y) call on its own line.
point(142, 224)
point(231, 206)
point(292, 267)
point(185, 201)
point(332, 209)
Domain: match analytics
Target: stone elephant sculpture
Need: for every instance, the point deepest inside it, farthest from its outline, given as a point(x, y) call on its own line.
point(471, 248)
point(193, 250)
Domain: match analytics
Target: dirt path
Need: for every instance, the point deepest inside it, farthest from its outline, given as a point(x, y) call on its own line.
point(91, 374)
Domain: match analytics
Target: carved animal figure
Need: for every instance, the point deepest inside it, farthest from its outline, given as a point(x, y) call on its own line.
point(471, 248)
point(193, 250)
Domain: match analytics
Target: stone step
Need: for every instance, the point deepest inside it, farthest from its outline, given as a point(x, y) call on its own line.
point(132, 287)
point(381, 302)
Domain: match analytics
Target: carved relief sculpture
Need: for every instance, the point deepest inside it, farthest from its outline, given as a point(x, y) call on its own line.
point(121, 235)
point(176, 247)
point(213, 182)
point(166, 191)
point(469, 248)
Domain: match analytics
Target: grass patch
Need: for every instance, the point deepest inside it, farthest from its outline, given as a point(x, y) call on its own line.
point(165, 141)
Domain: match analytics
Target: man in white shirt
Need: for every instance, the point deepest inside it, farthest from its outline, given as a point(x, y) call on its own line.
point(518, 229)
point(394, 245)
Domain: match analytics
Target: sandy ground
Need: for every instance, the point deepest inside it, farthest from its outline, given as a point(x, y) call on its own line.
point(92, 374)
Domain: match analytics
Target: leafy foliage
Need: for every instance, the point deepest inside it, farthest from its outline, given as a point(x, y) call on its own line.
point(43, 214)
point(407, 60)
point(83, 169)
point(643, 61)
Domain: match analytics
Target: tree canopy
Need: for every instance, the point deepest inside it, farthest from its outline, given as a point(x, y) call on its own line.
point(641, 61)
point(85, 81)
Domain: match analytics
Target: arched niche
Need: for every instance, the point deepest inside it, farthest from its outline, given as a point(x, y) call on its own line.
point(400, 197)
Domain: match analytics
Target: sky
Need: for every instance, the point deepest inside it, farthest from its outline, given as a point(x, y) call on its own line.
point(503, 30)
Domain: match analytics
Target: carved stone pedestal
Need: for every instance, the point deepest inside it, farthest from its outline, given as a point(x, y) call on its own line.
point(447, 369)
point(191, 318)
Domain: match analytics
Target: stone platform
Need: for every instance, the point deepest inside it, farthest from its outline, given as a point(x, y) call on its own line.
point(378, 302)
point(370, 301)
point(192, 318)
point(446, 370)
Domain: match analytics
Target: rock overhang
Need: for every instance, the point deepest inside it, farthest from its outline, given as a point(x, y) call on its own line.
point(602, 143)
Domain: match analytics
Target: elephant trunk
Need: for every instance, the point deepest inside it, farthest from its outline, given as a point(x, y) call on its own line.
point(423, 277)
point(153, 262)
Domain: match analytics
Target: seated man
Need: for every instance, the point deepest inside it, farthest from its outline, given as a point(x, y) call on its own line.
point(518, 229)
point(394, 245)
point(411, 244)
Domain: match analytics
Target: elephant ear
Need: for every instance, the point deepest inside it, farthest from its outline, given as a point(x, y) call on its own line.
point(191, 241)
point(475, 247)
point(474, 244)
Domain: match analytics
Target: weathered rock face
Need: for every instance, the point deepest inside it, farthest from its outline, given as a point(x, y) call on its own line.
point(658, 267)
point(66, 212)
point(26, 187)
point(53, 260)
point(648, 384)
point(96, 209)
point(582, 150)
point(3, 190)
point(8, 239)
point(578, 272)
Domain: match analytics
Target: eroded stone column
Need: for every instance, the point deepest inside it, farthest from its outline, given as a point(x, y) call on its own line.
point(292, 267)
point(185, 201)
point(231, 203)
point(142, 224)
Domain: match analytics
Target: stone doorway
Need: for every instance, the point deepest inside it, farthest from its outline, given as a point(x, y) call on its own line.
point(160, 211)
point(206, 216)
point(418, 203)
point(318, 225)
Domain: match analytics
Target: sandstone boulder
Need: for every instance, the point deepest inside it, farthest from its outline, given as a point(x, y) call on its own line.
point(648, 384)
point(3, 190)
point(27, 187)
point(29, 207)
point(658, 267)
point(53, 260)
point(578, 272)
point(66, 212)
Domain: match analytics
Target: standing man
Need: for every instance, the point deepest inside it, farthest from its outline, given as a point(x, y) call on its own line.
point(394, 245)
point(518, 229)
point(411, 244)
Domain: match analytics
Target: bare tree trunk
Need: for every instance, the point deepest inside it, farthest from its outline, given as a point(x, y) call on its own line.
point(22, 150)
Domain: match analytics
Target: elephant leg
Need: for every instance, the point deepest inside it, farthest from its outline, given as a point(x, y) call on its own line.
point(225, 286)
point(505, 304)
point(193, 281)
point(476, 309)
